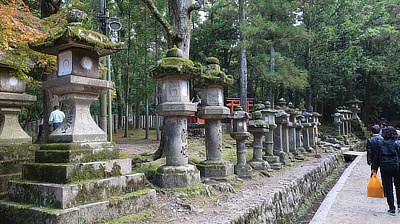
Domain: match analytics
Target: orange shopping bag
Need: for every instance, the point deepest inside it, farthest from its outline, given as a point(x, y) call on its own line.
point(375, 188)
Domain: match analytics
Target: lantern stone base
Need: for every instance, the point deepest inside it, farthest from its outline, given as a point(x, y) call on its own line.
point(12, 158)
point(177, 176)
point(259, 165)
point(215, 169)
point(284, 157)
point(274, 162)
point(243, 171)
point(89, 213)
point(309, 149)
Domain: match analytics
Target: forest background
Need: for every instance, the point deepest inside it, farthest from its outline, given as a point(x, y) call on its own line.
point(316, 53)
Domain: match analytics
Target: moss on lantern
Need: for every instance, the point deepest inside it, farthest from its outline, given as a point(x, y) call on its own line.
point(214, 76)
point(77, 35)
point(212, 60)
point(173, 63)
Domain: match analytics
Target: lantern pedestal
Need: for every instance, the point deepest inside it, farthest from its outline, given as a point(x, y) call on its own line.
point(78, 93)
point(175, 73)
point(258, 128)
point(11, 131)
point(177, 176)
point(214, 165)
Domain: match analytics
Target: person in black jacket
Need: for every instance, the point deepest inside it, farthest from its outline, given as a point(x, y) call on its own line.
point(387, 157)
point(372, 143)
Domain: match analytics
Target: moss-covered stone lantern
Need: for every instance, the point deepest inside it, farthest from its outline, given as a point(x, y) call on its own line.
point(81, 173)
point(78, 51)
point(258, 127)
point(299, 136)
point(268, 115)
point(212, 109)
point(337, 121)
point(306, 129)
point(175, 73)
point(291, 126)
point(240, 134)
point(11, 101)
point(281, 136)
point(353, 105)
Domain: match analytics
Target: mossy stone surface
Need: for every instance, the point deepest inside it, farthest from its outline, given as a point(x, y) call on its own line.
point(173, 63)
point(18, 151)
point(212, 60)
point(78, 37)
point(71, 156)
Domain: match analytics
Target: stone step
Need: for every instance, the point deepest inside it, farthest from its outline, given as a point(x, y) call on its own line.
point(76, 152)
point(71, 195)
point(75, 156)
point(91, 213)
point(13, 166)
point(67, 173)
point(5, 178)
point(18, 151)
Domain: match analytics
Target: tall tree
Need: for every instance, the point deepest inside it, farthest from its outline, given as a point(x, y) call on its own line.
point(178, 32)
point(243, 60)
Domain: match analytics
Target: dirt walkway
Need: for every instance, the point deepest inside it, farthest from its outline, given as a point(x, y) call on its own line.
point(222, 205)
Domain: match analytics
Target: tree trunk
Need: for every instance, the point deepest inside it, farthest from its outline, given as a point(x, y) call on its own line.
point(368, 88)
point(48, 8)
point(49, 101)
point(137, 114)
point(127, 75)
point(243, 62)
point(178, 34)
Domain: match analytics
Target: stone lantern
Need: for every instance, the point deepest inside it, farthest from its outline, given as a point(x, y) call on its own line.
point(348, 116)
point(175, 73)
point(258, 127)
point(292, 127)
point(337, 121)
point(306, 129)
point(11, 101)
point(268, 115)
point(357, 126)
point(212, 110)
point(299, 127)
point(240, 134)
point(345, 120)
point(78, 51)
point(81, 173)
point(16, 146)
point(281, 137)
point(353, 105)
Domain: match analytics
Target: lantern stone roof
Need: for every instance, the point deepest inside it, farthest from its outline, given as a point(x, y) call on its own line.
point(353, 100)
point(76, 36)
point(174, 63)
point(6, 61)
point(213, 75)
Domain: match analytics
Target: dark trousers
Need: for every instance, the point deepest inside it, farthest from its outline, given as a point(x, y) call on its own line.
point(55, 126)
point(388, 177)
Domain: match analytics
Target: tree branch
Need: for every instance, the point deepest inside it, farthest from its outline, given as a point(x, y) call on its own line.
point(55, 5)
point(196, 6)
point(164, 23)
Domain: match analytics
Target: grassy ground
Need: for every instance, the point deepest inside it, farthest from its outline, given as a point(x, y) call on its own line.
point(197, 150)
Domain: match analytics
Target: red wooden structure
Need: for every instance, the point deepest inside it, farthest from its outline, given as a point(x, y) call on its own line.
point(193, 119)
point(231, 102)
